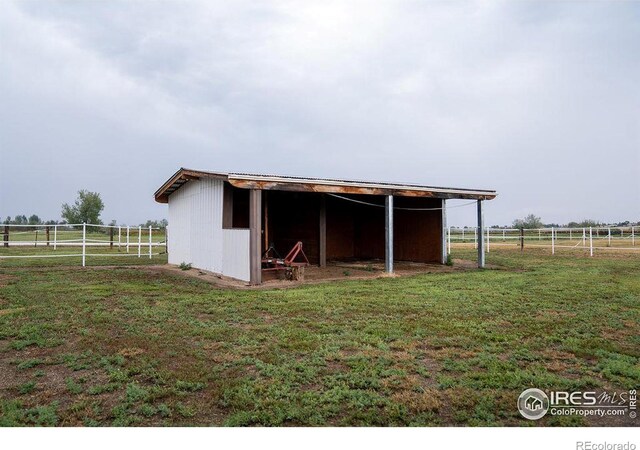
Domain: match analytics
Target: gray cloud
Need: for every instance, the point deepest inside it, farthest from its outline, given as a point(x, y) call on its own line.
point(539, 100)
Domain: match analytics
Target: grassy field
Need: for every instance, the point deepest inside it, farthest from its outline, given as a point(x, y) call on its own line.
point(135, 346)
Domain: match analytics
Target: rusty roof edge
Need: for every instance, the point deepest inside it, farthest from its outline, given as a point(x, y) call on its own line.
point(363, 184)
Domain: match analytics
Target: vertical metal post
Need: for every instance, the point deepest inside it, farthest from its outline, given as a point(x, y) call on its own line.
point(84, 242)
point(6, 236)
point(119, 237)
point(110, 237)
point(139, 241)
point(55, 236)
point(388, 235)
point(480, 235)
point(609, 236)
point(590, 241)
point(449, 241)
point(322, 240)
point(584, 237)
point(150, 241)
point(521, 239)
point(255, 230)
point(570, 234)
point(444, 229)
point(553, 242)
point(633, 238)
point(539, 235)
point(128, 238)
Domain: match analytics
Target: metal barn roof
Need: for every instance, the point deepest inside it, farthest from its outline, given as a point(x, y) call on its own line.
point(326, 185)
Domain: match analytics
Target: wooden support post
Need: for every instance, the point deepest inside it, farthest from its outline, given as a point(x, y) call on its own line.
point(553, 242)
point(46, 230)
point(444, 254)
point(150, 242)
point(480, 234)
point(55, 237)
point(590, 241)
point(119, 237)
point(128, 229)
point(322, 239)
point(111, 238)
point(35, 243)
point(388, 235)
point(139, 241)
point(521, 239)
point(6, 236)
point(255, 222)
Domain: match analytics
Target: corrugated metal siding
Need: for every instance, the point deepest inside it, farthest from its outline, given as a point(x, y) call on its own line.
point(196, 235)
point(235, 262)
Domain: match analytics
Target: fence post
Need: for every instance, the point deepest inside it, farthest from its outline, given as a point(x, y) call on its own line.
point(84, 241)
point(127, 238)
point(463, 234)
point(119, 237)
point(521, 239)
point(503, 233)
point(488, 244)
point(608, 237)
point(46, 229)
point(35, 243)
point(6, 236)
point(139, 241)
point(584, 237)
point(150, 241)
point(570, 236)
point(633, 238)
point(111, 238)
point(590, 241)
point(55, 236)
point(553, 243)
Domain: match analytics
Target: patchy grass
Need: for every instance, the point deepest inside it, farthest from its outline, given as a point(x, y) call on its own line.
point(124, 346)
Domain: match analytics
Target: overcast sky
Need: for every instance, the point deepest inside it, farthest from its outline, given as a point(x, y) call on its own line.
point(538, 100)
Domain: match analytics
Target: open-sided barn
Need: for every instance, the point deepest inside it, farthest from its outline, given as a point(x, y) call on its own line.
point(228, 223)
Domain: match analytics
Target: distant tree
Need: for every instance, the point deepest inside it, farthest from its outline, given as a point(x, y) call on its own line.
point(34, 220)
point(531, 221)
point(87, 208)
point(8, 219)
point(20, 220)
point(162, 224)
point(588, 223)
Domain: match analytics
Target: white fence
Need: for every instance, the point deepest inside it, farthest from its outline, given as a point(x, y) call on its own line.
point(127, 241)
point(586, 238)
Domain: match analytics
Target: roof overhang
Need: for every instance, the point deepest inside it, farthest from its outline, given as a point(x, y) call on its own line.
point(324, 185)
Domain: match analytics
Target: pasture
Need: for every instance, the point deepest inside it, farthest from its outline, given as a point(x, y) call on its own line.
point(123, 345)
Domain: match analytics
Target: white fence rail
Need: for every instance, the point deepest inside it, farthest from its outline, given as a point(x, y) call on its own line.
point(585, 238)
point(82, 236)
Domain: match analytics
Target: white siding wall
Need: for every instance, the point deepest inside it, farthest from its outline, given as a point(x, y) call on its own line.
point(196, 235)
point(235, 261)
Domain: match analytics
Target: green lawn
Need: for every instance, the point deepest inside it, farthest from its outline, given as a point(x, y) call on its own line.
point(134, 346)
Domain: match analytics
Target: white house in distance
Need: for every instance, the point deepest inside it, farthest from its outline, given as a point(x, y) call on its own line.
point(224, 222)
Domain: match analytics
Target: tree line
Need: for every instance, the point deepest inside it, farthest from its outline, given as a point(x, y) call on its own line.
point(87, 208)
